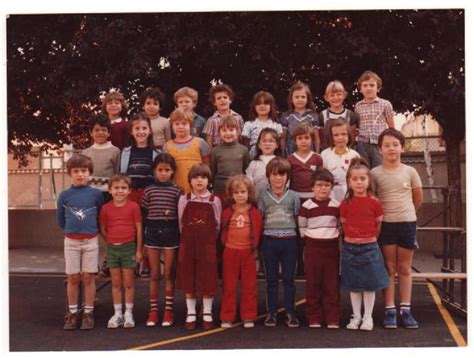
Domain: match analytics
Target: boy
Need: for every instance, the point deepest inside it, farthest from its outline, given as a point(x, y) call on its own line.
point(115, 107)
point(318, 224)
point(187, 98)
point(120, 221)
point(77, 212)
point(152, 100)
point(279, 207)
point(375, 115)
point(221, 96)
point(399, 190)
point(335, 95)
point(228, 158)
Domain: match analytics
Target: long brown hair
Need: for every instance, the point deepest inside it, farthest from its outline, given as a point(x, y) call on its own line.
point(234, 182)
point(358, 163)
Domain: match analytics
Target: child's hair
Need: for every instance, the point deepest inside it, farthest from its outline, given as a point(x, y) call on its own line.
point(79, 161)
point(167, 159)
point(340, 122)
point(221, 88)
point(392, 132)
point(278, 166)
point(335, 86)
point(235, 181)
point(229, 122)
point(266, 98)
point(369, 75)
point(302, 129)
point(274, 134)
point(152, 92)
point(301, 86)
point(115, 95)
point(200, 170)
point(186, 92)
point(182, 115)
point(120, 177)
point(357, 163)
point(102, 120)
point(140, 116)
point(322, 174)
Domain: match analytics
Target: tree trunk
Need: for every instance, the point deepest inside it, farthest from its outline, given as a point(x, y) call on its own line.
point(453, 162)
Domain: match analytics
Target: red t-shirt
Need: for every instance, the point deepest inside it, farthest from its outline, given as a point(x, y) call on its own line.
point(359, 219)
point(120, 221)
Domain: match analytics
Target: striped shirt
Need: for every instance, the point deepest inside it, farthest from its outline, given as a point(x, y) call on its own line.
point(373, 118)
point(161, 201)
point(319, 219)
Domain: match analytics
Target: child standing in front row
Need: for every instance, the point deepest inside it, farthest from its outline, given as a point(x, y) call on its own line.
point(120, 222)
point(160, 209)
point(152, 101)
point(262, 115)
point(318, 224)
point(241, 229)
point(362, 266)
point(399, 189)
point(279, 207)
point(199, 215)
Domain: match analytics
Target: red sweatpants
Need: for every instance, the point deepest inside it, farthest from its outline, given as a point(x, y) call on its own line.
point(321, 259)
point(237, 262)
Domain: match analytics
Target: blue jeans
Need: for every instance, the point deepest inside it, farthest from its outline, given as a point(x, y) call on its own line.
point(275, 252)
point(370, 152)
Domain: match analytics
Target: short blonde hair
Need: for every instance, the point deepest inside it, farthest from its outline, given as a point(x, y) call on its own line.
point(369, 75)
point(182, 115)
point(115, 95)
point(235, 181)
point(335, 86)
point(186, 92)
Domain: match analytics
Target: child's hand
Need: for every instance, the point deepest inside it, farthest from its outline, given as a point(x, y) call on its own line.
point(138, 256)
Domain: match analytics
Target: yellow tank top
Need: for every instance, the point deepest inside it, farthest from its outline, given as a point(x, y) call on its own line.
point(185, 159)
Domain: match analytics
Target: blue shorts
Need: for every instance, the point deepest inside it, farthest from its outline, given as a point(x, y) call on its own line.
point(162, 234)
point(402, 234)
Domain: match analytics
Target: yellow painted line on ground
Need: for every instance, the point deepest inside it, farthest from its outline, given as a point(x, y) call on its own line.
point(202, 334)
point(453, 328)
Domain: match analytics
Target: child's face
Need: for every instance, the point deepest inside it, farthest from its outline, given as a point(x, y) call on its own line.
point(303, 142)
point(267, 144)
point(80, 176)
point(240, 195)
point(299, 99)
point(369, 89)
point(181, 128)
point(391, 149)
point(322, 189)
point(113, 108)
point(340, 137)
point(359, 181)
point(151, 107)
point(228, 135)
point(163, 172)
point(119, 191)
point(278, 181)
point(185, 103)
point(263, 110)
point(335, 99)
point(140, 132)
point(99, 134)
point(222, 101)
point(199, 184)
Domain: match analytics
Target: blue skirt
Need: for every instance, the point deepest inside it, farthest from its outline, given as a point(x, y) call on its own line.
point(363, 268)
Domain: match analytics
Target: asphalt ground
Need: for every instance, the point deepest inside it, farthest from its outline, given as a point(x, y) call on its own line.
point(37, 307)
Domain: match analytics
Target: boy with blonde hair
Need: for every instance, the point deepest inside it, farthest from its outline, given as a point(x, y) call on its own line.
point(187, 98)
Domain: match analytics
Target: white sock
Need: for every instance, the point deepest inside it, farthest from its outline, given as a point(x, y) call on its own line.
point(356, 302)
point(191, 307)
point(128, 307)
point(118, 309)
point(369, 301)
point(88, 309)
point(207, 308)
point(73, 308)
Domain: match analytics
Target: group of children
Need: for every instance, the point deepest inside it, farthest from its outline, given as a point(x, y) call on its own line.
point(147, 193)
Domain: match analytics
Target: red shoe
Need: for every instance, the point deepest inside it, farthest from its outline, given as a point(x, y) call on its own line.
point(167, 318)
point(190, 325)
point(206, 324)
point(152, 318)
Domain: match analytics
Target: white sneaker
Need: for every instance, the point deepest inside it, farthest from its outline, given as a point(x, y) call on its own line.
point(249, 324)
point(226, 324)
point(129, 322)
point(354, 323)
point(115, 321)
point(367, 324)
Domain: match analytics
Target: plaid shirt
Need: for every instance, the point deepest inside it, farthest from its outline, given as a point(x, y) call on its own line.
point(373, 119)
point(212, 126)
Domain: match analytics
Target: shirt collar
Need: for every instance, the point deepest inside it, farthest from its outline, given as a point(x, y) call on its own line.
point(117, 120)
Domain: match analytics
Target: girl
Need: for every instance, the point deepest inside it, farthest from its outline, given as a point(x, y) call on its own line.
point(115, 107)
point(301, 109)
point(362, 266)
point(160, 209)
point(137, 160)
point(242, 226)
point(185, 149)
point(337, 157)
point(262, 115)
point(267, 149)
point(199, 215)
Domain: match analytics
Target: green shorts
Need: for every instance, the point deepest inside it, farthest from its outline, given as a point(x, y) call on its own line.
point(121, 256)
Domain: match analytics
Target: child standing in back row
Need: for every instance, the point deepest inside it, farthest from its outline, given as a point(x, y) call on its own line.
point(115, 107)
point(187, 98)
point(152, 100)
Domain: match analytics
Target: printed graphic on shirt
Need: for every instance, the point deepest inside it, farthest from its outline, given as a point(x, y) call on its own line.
point(79, 213)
